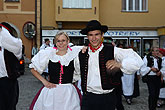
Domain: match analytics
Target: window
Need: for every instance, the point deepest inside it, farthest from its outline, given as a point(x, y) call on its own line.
point(11, 0)
point(134, 5)
point(77, 3)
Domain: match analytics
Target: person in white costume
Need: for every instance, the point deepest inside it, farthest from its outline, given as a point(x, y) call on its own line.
point(153, 67)
point(97, 81)
point(34, 50)
point(10, 54)
point(161, 100)
point(46, 44)
point(128, 86)
point(62, 61)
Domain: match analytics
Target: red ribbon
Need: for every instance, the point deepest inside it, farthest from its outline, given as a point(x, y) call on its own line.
point(94, 49)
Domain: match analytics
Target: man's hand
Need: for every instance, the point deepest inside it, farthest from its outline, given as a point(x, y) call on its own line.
point(138, 77)
point(158, 73)
point(111, 64)
point(113, 67)
point(84, 49)
point(154, 69)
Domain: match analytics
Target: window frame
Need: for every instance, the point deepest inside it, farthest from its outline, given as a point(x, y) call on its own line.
point(126, 6)
point(11, 0)
point(69, 4)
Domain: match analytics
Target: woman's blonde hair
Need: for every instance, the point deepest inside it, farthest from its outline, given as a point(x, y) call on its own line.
point(59, 33)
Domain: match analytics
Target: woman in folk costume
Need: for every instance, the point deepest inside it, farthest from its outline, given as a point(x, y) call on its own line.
point(62, 61)
point(130, 86)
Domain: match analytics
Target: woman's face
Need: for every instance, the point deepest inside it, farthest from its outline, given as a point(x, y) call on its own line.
point(62, 42)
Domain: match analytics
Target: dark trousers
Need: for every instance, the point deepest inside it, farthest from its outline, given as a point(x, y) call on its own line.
point(153, 84)
point(119, 92)
point(9, 92)
point(92, 101)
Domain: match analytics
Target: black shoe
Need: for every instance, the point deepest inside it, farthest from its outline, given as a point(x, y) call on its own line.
point(128, 101)
point(159, 105)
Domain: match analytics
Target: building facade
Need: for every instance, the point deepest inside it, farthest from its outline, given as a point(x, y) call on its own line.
point(21, 15)
point(136, 23)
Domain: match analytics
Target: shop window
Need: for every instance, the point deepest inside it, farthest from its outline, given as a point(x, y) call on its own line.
point(135, 5)
point(148, 43)
point(12, 0)
point(77, 4)
point(77, 40)
point(135, 44)
point(121, 41)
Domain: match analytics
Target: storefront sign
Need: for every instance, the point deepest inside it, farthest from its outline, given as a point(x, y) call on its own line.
point(108, 33)
point(131, 33)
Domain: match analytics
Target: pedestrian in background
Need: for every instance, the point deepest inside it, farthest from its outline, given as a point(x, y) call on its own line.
point(152, 66)
point(63, 65)
point(10, 53)
point(130, 86)
point(98, 66)
point(161, 100)
point(34, 50)
point(46, 44)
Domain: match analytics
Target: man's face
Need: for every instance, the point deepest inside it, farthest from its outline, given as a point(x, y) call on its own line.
point(47, 42)
point(155, 52)
point(95, 38)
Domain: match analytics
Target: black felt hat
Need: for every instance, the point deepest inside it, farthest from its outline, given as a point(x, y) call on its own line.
point(94, 25)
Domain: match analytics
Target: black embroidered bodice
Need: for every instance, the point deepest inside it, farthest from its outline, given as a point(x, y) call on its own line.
point(54, 69)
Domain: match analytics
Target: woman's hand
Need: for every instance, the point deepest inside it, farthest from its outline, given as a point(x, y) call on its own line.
point(43, 80)
point(48, 84)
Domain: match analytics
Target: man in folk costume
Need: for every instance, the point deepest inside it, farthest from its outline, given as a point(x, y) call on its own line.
point(152, 67)
point(10, 53)
point(99, 66)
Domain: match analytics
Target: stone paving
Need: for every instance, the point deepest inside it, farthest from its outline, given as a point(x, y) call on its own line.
point(29, 86)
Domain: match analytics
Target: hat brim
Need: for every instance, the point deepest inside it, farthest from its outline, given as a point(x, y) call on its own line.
point(87, 29)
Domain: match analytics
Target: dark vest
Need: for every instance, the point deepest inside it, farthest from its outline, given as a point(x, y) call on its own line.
point(12, 64)
point(108, 81)
point(55, 69)
point(150, 61)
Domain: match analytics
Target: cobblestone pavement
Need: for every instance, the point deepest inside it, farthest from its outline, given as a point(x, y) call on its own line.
point(29, 86)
